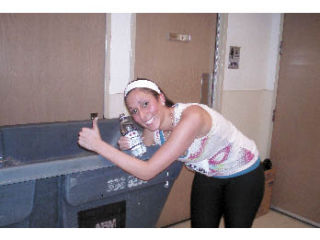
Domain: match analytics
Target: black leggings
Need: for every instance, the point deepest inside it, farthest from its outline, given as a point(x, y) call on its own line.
point(236, 199)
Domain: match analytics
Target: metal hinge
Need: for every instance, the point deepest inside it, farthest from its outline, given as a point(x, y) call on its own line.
point(273, 115)
point(281, 47)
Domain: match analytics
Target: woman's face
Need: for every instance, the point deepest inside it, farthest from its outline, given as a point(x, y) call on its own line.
point(145, 108)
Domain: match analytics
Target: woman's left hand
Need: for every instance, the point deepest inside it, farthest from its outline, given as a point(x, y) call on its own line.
point(90, 137)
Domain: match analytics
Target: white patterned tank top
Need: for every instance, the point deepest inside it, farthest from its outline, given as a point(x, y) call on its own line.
point(223, 152)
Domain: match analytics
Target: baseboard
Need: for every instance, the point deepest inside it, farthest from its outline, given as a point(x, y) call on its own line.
point(172, 224)
point(295, 216)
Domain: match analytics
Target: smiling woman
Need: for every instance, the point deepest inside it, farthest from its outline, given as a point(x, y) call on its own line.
point(229, 179)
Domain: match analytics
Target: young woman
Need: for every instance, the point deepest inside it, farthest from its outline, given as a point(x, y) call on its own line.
point(229, 179)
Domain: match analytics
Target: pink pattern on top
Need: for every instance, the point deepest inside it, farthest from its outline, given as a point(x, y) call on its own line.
point(224, 151)
point(248, 155)
point(197, 154)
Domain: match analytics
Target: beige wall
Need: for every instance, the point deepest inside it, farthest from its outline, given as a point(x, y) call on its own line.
point(248, 93)
point(254, 120)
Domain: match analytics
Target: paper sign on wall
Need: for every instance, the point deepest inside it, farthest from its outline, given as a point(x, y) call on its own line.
point(234, 57)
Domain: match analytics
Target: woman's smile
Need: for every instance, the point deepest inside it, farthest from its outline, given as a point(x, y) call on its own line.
point(152, 124)
point(150, 121)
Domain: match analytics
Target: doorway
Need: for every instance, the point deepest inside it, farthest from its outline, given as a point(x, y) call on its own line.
point(174, 50)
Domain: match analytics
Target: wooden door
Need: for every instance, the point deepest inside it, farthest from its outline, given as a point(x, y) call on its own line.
point(296, 135)
point(51, 67)
point(177, 66)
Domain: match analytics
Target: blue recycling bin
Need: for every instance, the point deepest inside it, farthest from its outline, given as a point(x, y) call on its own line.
point(47, 180)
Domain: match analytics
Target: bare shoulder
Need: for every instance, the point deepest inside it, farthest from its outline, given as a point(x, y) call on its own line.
point(198, 116)
point(195, 112)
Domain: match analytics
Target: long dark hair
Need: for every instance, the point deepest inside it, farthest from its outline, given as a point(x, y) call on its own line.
point(168, 102)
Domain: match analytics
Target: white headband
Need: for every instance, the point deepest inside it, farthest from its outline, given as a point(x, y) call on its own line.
point(141, 84)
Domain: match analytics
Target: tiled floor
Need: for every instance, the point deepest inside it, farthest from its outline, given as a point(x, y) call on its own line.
point(272, 219)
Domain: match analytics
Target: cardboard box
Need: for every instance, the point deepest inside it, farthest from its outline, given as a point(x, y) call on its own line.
point(266, 201)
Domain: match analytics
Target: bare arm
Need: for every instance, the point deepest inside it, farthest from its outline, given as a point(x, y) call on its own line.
point(189, 127)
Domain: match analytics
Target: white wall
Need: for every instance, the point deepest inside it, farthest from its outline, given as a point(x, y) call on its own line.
point(256, 35)
point(248, 92)
point(120, 60)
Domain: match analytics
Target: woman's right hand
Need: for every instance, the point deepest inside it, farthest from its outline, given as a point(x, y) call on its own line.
point(124, 143)
point(89, 138)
